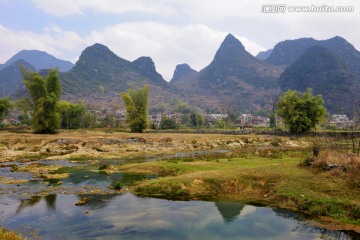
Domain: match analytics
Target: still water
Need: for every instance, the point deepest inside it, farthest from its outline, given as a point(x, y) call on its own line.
point(115, 216)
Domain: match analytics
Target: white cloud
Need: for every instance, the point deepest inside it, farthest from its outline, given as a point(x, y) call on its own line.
point(61, 44)
point(59, 8)
point(179, 31)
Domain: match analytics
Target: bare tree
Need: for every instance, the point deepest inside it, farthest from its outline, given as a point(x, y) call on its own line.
point(231, 108)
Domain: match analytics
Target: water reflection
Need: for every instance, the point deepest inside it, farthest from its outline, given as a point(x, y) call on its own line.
point(91, 177)
point(31, 202)
point(126, 216)
point(229, 210)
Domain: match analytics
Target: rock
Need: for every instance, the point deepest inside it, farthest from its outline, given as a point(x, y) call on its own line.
point(329, 166)
point(82, 201)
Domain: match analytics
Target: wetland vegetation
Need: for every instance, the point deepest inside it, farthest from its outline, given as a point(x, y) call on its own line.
point(275, 171)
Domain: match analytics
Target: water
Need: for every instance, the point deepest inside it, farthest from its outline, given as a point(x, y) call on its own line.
point(115, 216)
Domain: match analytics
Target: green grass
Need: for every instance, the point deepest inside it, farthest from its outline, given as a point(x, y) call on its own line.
point(279, 182)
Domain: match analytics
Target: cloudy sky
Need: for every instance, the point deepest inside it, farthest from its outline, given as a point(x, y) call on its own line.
point(169, 31)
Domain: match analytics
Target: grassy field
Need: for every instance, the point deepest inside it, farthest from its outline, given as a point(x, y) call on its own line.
point(257, 169)
point(271, 177)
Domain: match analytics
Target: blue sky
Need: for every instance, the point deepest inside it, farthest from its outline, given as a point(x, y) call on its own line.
point(169, 31)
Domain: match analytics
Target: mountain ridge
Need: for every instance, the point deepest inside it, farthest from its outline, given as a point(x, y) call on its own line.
point(234, 75)
point(326, 73)
point(286, 52)
point(39, 60)
point(100, 68)
point(11, 77)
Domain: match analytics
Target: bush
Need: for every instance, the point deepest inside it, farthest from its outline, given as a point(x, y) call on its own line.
point(168, 124)
point(118, 186)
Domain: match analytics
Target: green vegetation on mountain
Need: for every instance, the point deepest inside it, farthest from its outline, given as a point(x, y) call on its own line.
point(99, 75)
point(324, 72)
point(234, 76)
point(287, 52)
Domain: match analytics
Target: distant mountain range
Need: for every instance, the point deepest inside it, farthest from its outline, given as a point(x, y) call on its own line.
point(98, 67)
point(10, 75)
point(234, 77)
point(11, 78)
point(287, 52)
point(264, 54)
point(39, 60)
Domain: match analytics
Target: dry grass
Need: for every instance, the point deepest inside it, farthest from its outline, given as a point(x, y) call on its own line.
point(342, 165)
point(99, 144)
point(9, 235)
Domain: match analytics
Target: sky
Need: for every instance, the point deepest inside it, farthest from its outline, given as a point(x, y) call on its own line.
point(171, 32)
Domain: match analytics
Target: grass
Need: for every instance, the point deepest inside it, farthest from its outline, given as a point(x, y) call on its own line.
point(279, 182)
point(9, 235)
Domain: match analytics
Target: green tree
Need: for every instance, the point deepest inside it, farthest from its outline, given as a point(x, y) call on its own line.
point(167, 123)
point(102, 89)
point(136, 103)
point(197, 120)
point(301, 111)
point(45, 94)
point(89, 120)
point(27, 110)
point(5, 107)
point(183, 107)
point(72, 114)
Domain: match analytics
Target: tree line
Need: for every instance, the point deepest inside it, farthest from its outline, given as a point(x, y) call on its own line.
point(300, 112)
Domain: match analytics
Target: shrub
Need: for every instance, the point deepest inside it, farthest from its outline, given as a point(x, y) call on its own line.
point(340, 165)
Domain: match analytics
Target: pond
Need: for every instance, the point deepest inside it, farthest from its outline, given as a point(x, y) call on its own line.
point(115, 216)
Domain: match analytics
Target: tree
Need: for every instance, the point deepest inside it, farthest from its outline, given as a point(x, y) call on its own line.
point(5, 106)
point(301, 111)
point(167, 123)
point(231, 108)
point(45, 95)
point(27, 110)
point(183, 107)
point(136, 103)
point(72, 114)
point(197, 120)
point(353, 110)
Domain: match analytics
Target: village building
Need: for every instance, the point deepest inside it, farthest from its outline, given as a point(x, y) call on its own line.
point(340, 121)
